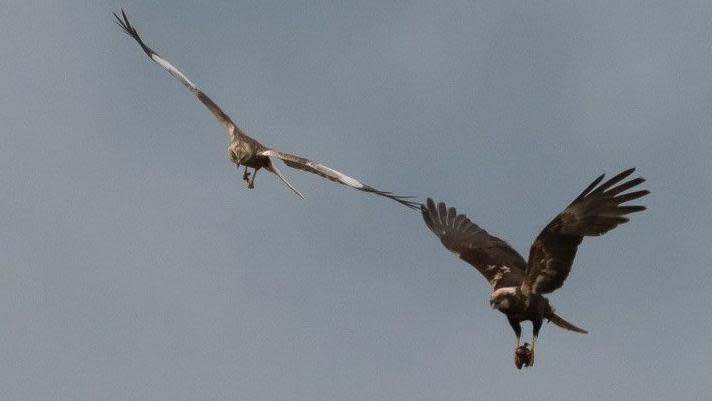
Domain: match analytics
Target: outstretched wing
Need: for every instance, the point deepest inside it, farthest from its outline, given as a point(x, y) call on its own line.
point(333, 175)
point(595, 212)
point(223, 118)
point(501, 265)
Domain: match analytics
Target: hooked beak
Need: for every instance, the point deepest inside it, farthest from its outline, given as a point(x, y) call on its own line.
point(492, 303)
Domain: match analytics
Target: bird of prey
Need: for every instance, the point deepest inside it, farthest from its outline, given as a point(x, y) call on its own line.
point(518, 285)
point(248, 152)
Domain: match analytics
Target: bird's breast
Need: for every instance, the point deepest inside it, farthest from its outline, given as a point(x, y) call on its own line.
point(242, 153)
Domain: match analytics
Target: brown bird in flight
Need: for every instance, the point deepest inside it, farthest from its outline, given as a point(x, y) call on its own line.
point(246, 151)
point(518, 285)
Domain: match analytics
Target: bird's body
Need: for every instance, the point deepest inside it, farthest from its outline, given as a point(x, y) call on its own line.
point(518, 286)
point(244, 150)
point(519, 308)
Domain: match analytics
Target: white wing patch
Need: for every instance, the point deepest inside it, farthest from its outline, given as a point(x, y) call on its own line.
point(538, 280)
point(352, 182)
point(174, 71)
point(497, 276)
point(269, 153)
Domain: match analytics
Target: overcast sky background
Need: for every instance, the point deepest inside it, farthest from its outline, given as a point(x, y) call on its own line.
point(136, 265)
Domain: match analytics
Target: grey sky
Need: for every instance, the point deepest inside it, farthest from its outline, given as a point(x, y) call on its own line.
point(137, 266)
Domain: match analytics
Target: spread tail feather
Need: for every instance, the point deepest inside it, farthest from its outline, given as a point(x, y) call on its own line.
point(557, 320)
point(274, 169)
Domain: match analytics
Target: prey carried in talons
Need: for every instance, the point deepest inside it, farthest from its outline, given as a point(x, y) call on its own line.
point(518, 286)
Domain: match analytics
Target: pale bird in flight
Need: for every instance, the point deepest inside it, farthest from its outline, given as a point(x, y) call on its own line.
point(248, 152)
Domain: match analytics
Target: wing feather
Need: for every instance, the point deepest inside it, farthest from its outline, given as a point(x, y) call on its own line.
point(501, 265)
point(329, 173)
point(630, 196)
point(595, 211)
point(271, 167)
point(223, 118)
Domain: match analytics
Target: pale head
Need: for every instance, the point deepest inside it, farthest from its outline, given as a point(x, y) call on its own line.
point(238, 153)
point(503, 298)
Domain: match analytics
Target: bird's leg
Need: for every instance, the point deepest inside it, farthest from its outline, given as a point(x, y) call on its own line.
point(245, 174)
point(251, 183)
point(518, 360)
point(517, 329)
point(531, 355)
point(536, 326)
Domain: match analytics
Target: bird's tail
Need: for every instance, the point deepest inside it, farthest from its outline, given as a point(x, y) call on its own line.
point(559, 321)
point(271, 167)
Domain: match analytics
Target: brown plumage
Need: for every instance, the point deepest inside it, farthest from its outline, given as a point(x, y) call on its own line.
point(594, 212)
point(517, 286)
point(248, 152)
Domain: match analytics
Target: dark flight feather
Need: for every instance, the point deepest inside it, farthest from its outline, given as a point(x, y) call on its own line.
point(595, 211)
point(501, 265)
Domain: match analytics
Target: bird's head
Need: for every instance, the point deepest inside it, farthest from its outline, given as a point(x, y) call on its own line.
point(502, 303)
point(503, 298)
point(237, 154)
